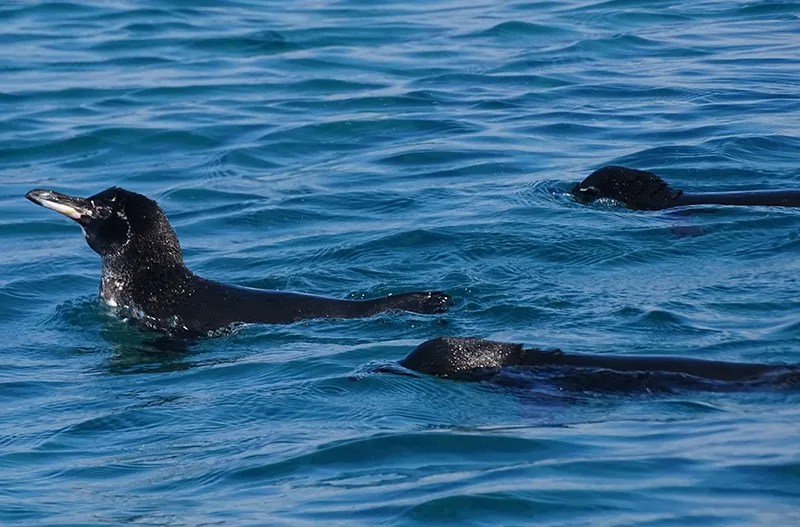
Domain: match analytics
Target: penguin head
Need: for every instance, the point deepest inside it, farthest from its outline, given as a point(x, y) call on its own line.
point(455, 356)
point(636, 189)
point(117, 223)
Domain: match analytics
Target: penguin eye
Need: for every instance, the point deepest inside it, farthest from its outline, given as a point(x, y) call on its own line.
point(589, 191)
point(102, 212)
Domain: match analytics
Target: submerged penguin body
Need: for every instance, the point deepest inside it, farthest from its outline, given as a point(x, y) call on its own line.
point(642, 190)
point(473, 358)
point(144, 274)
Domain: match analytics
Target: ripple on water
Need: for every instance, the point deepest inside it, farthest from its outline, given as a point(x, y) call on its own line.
point(357, 150)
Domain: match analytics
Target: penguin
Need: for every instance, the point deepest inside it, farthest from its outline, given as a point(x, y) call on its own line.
point(642, 190)
point(143, 274)
point(474, 359)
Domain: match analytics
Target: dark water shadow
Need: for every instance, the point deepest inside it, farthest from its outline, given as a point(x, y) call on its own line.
point(131, 349)
point(135, 351)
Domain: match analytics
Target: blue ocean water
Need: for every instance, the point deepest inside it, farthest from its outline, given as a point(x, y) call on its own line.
point(355, 148)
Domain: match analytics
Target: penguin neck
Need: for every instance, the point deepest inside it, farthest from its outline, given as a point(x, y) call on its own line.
point(126, 273)
point(663, 199)
point(780, 198)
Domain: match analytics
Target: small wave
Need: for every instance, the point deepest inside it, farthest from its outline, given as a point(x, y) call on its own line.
point(402, 449)
point(261, 42)
point(526, 32)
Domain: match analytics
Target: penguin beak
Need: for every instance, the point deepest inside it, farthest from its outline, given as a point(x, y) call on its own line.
point(579, 193)
point(585, 194)
point(69, 206)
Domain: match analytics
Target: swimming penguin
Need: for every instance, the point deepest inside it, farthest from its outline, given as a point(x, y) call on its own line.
point(473, 358)
point(642, 190)
point(144, 274)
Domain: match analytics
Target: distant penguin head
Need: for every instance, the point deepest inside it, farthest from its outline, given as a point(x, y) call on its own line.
point(117, 223)
point(636, 189)
point(452, 356)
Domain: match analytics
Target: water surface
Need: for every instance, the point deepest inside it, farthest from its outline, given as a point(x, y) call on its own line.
point(360, 148)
